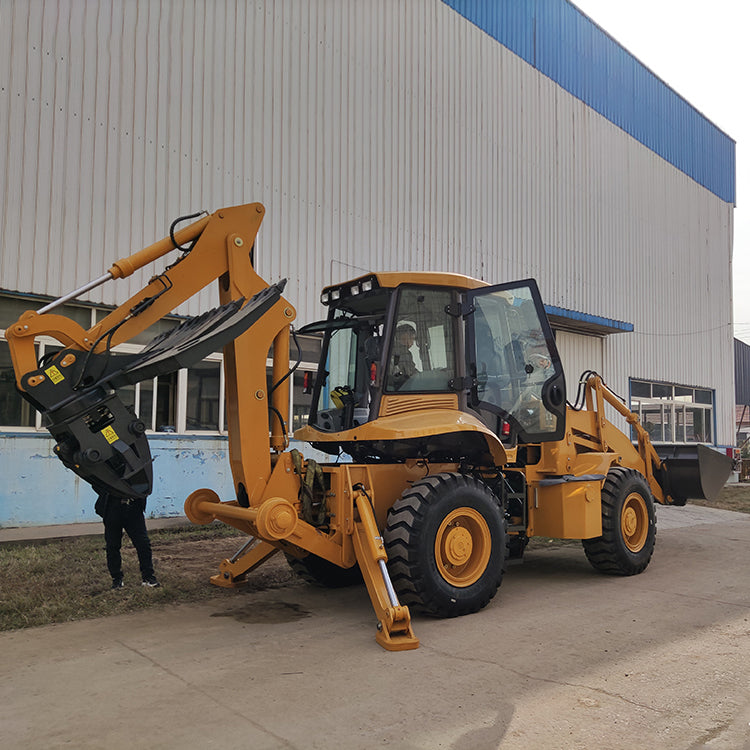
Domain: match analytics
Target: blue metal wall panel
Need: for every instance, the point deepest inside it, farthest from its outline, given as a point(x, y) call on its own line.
point(568, 47)
point(37, 490)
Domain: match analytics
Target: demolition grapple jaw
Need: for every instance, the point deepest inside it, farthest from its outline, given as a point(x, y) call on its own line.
point(99, 437)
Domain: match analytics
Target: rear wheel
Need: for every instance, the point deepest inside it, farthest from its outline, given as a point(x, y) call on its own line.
point(445, 539)
point(320, 572)
point(628, 525)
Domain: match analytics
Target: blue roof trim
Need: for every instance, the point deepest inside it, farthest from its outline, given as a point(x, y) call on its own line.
point(586, 322)
point(567, 46)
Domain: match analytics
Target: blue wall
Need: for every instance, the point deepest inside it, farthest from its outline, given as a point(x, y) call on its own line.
point(562, 43)
point(37, 490)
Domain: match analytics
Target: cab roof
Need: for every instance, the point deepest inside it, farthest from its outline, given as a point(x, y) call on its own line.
point(392, 279)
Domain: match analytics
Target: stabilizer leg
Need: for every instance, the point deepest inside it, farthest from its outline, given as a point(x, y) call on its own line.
point(233, 571)
point(394, 621)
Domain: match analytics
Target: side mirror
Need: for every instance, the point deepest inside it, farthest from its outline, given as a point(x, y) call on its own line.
point(553, 393)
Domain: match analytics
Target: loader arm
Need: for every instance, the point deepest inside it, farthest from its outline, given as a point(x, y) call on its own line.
point(674, 472)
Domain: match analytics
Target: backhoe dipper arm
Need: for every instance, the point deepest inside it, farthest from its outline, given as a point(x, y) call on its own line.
point(74, 389)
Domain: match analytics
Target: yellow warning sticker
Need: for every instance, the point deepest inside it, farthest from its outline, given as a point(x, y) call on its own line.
point(54, 375)
point(109, 435)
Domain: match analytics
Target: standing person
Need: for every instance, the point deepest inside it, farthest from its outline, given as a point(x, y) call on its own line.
point(125, 514)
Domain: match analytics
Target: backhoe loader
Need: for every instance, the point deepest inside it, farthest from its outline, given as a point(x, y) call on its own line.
point(440, 398)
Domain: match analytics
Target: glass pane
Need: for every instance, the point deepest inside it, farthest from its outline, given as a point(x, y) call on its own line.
point(513, 359)
point(668, 423)
point(166, 396)
point(309, 348)
point(81, 315)
point(683, 394)
point(127, 395)
point(704, 397)
point(14, 410)
point(697, 425)
point(680, 424)
point(638, 388)
point(652, 422)
point(659, 390)
point(422, 352)
point(342, 360)
point(12, 308)
point(352, 357)
point(203, 396)
point(145, 410)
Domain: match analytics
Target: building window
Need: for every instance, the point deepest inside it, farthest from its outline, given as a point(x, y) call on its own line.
point(155, 402)
point(14, 410)
point(187, 401)
point(673, 413)
point(204, 397)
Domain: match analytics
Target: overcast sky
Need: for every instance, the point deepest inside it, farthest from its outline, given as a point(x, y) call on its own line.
point(700, 48)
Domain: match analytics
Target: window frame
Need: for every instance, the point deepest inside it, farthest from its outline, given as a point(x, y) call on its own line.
point(672, 407)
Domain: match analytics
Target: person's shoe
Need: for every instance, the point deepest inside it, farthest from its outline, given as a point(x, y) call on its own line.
point(118, 583)
point(151, 581)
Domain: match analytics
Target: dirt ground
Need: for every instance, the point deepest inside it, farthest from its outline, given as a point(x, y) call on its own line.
point(197, 558)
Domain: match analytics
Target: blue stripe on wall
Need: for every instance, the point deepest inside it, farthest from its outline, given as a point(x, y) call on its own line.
point(568, 47)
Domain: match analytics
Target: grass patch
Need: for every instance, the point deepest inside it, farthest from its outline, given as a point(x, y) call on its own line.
point(63, 580)
point(733, 497)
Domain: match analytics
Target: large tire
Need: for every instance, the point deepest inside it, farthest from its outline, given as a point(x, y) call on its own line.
point(628, 525)
point(446, 545)
point(321, 572)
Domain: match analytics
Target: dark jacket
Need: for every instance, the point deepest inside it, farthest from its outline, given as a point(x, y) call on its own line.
point(105, 500)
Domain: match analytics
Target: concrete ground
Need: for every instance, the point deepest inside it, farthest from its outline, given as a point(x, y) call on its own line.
point(562, 658)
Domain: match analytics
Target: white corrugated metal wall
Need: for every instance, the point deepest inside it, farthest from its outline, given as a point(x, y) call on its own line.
point(380, 135)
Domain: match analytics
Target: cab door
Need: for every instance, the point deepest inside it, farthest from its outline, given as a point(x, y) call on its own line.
point(517, 380)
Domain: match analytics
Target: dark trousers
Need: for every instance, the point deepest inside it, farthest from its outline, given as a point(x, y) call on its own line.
point(126, 515)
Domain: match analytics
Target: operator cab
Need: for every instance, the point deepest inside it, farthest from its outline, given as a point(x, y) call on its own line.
point(410, 347)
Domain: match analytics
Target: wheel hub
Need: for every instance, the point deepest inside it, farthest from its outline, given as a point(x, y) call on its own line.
point(463, 546)
point(457, 545)
point(634, 522)
point(629, 521)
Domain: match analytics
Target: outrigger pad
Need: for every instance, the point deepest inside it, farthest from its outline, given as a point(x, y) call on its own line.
point(100, 438)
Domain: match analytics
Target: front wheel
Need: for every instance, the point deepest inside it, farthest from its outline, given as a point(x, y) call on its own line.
point(628, 525)
point(445, 539)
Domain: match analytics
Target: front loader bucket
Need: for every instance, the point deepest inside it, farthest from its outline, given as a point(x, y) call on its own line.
point(692, 471)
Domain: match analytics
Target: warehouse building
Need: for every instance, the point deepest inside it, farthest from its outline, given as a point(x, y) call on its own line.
point(498, 140)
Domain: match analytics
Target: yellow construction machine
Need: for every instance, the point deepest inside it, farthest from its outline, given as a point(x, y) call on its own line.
point(442, 399)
